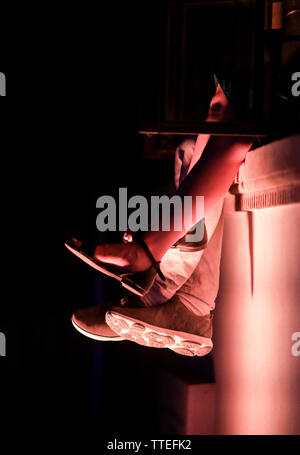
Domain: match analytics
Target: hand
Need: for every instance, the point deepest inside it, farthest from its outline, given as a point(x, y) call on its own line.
point(220, 109)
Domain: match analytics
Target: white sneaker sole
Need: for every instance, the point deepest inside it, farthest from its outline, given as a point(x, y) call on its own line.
point(157, 337)
point(94, 336)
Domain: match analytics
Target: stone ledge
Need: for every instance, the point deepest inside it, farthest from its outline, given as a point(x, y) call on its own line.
point(270, 176)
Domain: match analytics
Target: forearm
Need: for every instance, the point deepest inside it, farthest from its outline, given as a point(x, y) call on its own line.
point(211, 178)
point(219, 111)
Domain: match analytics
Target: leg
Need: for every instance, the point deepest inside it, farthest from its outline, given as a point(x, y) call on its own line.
point(199, 292)
point(183, 323)
point(176, 265)
point(188, 293)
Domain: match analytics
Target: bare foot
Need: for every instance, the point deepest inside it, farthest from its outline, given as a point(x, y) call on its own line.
point(130, 257)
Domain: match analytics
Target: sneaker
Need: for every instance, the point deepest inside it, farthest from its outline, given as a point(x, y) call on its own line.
point(91, 321)
point(170, 325)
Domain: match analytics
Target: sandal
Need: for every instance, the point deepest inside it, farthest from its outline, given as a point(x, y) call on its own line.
point(139, 283)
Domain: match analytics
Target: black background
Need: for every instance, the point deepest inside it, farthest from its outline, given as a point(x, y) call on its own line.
point(70, 134)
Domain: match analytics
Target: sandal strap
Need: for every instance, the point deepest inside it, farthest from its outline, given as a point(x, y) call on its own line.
point(129, 236)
